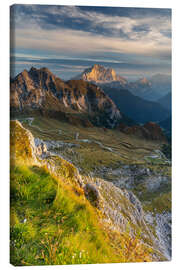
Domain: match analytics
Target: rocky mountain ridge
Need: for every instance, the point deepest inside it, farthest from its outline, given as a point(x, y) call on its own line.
point(76, 101)
point(39, 89)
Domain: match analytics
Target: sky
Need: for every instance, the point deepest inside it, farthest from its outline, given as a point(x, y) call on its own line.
point(136, 42)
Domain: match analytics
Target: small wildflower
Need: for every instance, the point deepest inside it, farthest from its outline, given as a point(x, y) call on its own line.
point(24, 221)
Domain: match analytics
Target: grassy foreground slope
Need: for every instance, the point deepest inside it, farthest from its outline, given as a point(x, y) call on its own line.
point(52, 225)
point(52, 222)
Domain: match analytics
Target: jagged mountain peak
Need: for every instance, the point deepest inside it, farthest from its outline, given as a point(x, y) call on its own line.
point(43, 69)
point(34, 74)
point(100, 74)
point(101, 68)
point(23, 74)
point(144, 81)
point(41, 72)
point(98, 66)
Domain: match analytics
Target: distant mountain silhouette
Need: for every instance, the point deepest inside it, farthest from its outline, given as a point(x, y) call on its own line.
point(136, 108)
point(151, 89)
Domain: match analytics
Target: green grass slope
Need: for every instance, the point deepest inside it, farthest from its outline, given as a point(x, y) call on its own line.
point(52, 222)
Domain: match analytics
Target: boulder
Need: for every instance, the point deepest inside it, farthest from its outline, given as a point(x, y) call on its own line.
point(92, 194)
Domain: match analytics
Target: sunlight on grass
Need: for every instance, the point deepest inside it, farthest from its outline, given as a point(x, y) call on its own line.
point(51, 224)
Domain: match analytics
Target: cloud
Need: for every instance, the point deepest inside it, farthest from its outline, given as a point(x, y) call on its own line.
point(76, 18)
point(66, 41)
point(67, 28)
point(121, 36)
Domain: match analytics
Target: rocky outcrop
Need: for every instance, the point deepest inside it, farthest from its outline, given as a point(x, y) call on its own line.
point(155, 131)
point(162, 223)
point(22, 144)
point(92, 194)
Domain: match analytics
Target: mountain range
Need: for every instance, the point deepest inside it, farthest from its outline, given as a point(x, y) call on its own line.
point(40, 90)
point(151, 89)
point(83, 102)
point(135, 107)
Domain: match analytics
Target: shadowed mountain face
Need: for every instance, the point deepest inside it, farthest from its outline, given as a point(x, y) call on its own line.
point(166, 125)
point(165, 101)
point(40, 90)
point(136, 108)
